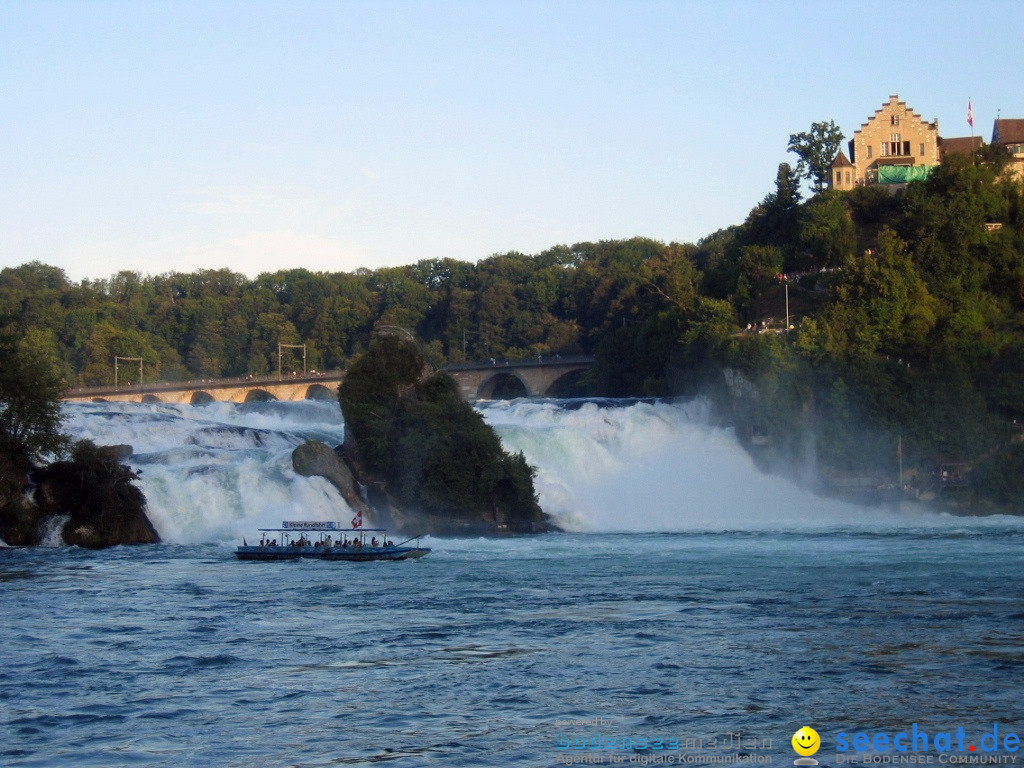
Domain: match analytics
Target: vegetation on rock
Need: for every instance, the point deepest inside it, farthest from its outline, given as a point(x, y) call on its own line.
point(432, 449)
point(92, 487)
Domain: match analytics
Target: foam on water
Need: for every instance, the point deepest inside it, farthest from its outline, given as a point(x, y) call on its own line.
point(215, 473)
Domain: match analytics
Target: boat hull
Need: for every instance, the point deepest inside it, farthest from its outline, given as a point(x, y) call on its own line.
point(360, 555)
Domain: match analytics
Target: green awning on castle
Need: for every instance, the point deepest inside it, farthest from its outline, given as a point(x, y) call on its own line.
point(901, 174)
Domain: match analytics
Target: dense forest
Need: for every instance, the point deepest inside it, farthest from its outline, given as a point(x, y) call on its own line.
point(905, 311)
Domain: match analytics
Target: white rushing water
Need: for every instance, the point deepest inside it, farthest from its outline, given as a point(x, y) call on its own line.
point(217, 472)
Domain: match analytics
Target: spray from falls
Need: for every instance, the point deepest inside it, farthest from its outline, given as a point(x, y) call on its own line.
point(651, 466)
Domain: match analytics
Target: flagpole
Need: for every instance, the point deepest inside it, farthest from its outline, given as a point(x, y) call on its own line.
point(899, 453)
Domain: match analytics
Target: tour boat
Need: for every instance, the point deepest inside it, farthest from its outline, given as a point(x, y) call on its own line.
point(327, 541)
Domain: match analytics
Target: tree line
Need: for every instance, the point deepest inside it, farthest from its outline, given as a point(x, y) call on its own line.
point(218, 323)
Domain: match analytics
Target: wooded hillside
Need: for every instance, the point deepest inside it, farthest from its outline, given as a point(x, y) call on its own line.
point(907, 315)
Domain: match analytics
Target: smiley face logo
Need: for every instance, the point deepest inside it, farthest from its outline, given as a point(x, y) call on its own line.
point(806, 741)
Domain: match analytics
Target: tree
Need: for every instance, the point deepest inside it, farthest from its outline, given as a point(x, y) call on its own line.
point(816, 149)
point(773, 221)
point(31, 389)
point(826, 233)
point(760, 266)
point(898, 310)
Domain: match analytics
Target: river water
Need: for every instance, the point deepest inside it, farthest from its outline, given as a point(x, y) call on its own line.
point(698, 613)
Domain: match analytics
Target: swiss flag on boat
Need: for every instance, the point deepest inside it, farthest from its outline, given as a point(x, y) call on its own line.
point(357, 521)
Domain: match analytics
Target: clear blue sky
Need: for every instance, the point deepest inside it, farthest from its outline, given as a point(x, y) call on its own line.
point(173, 136)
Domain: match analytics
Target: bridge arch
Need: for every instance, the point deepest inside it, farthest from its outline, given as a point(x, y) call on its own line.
point(567, 385)
point(199, 397)
point(151, 399)
point(258, 396)
point(506, 385)
point(320, 392)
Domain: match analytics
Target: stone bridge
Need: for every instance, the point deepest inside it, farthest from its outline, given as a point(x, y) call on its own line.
point(250, 389)
point(534, 377)
point(489, 380)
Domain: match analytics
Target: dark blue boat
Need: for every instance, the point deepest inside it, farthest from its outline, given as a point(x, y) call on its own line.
point(328, 541)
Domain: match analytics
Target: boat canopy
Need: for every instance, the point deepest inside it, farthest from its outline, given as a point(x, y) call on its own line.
point(316, 525)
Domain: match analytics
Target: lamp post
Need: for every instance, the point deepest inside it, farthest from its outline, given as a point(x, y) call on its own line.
point(480, 333)
point(130, 360)
point(787, 304)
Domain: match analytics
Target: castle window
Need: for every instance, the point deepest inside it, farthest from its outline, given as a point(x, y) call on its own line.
point(895, 120)
point(869, 151)
point(895, 148)
point(847, 177)
point(922, 149)
point(894, 137)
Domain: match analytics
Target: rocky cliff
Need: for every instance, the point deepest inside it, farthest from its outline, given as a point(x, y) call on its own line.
point(93, 493)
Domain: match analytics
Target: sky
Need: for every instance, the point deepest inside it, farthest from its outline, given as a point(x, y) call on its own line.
point(158, 136)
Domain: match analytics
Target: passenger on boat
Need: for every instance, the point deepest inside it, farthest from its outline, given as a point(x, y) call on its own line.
point(373, 542)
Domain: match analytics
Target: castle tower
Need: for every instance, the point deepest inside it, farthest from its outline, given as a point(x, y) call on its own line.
point(843, 173)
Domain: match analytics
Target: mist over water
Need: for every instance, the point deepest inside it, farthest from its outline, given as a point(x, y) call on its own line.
point(215, 473)
point(660, 466)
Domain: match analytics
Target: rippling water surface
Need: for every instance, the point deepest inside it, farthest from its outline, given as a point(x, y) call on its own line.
point(485, 652)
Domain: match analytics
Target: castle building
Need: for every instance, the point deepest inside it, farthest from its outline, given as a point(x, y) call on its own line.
point(894, 146)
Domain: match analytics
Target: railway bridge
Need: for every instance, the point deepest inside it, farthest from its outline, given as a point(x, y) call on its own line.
point(485, 380)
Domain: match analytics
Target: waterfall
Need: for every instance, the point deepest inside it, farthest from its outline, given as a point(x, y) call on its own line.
point(53, 527)
point(215, 473)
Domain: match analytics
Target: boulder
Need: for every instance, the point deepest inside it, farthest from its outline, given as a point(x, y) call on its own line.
point(344, 468)
point(317, 459)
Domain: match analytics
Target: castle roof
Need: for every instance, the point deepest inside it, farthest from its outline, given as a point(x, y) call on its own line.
point(842, 161)
point(1008, 132)
point(960, 145)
